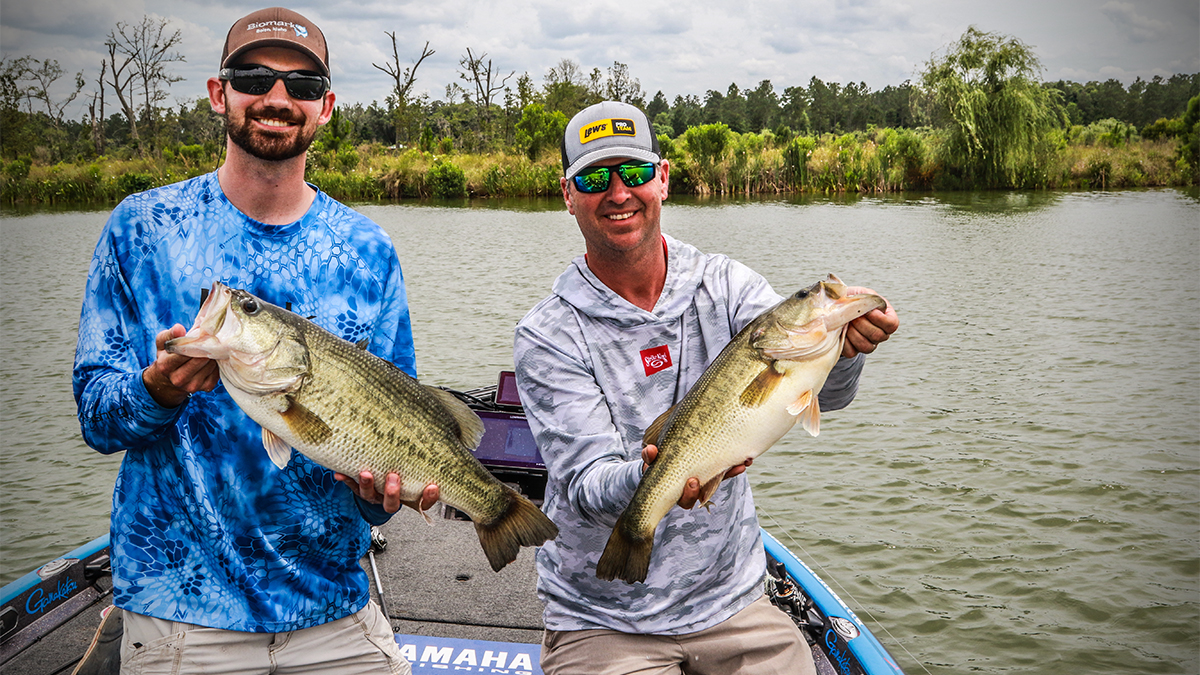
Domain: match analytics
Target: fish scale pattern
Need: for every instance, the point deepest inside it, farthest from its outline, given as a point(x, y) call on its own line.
point(205, 529)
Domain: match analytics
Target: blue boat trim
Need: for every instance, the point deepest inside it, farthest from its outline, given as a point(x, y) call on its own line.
point(872, 655)
point(19, 586)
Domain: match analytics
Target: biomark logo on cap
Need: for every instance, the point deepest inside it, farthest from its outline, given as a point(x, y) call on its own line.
point(276, 27)
point(606, 130)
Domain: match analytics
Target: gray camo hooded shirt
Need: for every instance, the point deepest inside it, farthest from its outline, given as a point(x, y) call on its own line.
point(594, 371)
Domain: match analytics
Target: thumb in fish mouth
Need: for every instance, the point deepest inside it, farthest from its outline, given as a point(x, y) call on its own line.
point(198, 343)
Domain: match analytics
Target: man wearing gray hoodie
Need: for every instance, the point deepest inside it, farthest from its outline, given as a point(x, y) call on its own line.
point(628, 329)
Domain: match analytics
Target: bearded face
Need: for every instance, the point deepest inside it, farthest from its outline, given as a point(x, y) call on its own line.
point(295, 132)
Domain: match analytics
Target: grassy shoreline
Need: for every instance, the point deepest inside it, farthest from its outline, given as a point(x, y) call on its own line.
point(708, 160)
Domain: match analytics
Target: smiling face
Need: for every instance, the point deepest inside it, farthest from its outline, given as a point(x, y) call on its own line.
point(272, 126)
point(622, 219)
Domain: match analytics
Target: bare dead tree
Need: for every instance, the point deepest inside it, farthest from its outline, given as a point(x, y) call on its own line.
point(152, 69)
point(482, 78)
point(96, 110)
point(43, 77)
point(404, 79)
point(143, 50)
point(122, 83)
point(12, 73)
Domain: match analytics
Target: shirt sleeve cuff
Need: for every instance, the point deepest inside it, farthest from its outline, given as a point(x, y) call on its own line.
point(145, 408)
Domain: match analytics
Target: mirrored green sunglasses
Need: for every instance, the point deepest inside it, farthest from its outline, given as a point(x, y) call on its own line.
point(597, 178)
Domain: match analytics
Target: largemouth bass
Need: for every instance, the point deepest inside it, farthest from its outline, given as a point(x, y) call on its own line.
point(765, 380)
point(351, 411)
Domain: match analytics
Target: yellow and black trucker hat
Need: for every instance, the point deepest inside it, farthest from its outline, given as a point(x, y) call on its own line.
point(605, 130)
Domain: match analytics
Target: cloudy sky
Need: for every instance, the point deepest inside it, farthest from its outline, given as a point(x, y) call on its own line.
point(676, 47)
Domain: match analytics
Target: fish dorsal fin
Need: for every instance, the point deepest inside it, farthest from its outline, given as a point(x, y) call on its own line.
point(362, 344)
point(279, 451)
point(655, 431)
point(304, 423)
point(470, 427)
point(760, 389)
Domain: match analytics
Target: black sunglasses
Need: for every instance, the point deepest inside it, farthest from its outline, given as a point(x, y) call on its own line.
point(597, 178)
point(303, 85)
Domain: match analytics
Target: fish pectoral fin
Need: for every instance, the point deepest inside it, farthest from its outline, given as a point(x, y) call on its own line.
point(799, 405)
point(760, 389)
point(470, 427)
point(809, 410)
point(309, 427)
point(416, 506)
point(654, 432)
point(277, 449)
point(709, 489)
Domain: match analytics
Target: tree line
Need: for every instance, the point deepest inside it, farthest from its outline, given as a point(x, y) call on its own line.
point(982, 101)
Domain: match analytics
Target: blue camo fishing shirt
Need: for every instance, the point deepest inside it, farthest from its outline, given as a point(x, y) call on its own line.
point(205, 529)
point(593, 372)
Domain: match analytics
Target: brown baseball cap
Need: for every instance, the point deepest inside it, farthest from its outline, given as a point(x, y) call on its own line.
point(276, 27)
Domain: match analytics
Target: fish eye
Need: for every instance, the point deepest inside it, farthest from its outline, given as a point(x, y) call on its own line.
point(250, 306)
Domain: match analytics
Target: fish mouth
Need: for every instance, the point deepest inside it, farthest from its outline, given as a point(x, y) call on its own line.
point(204, 340)
point(843, 306)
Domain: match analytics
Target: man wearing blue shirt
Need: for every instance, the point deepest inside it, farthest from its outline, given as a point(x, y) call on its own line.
point(221, 561)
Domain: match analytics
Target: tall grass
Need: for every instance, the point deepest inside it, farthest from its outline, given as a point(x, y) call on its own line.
point(705, 160)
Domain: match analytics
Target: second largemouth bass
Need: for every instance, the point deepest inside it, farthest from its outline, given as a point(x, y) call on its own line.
point(761, 383)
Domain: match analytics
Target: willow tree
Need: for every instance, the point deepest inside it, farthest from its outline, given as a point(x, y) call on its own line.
point(986, 91)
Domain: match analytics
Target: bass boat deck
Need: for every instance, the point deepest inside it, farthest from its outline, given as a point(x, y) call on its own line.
point(449, 610)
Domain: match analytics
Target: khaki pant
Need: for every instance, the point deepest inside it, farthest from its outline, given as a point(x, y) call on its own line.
point(759, 640)
point(359, 643)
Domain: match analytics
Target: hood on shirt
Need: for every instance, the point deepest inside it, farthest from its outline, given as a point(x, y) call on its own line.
point(580, 288)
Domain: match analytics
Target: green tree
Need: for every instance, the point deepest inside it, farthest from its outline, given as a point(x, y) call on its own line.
point(657, 105)
point(762, 107)
point(707, 143)
point(793, 111)
point(623, 87)
point(986, 92)
point(733, 110)
point(825, 106)
point(539, 130)
point(1189, 146)
point(566, 88)
point(686, 112)
point(338, 134)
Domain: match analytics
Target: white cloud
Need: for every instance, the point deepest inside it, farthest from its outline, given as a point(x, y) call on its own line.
point(674, 47)
point(1135, 25)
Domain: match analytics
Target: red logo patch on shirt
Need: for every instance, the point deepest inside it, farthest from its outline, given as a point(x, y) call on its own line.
point(655, 359)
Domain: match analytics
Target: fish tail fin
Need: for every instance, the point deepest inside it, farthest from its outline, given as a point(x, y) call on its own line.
point(521, 524)
point(625, 557)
